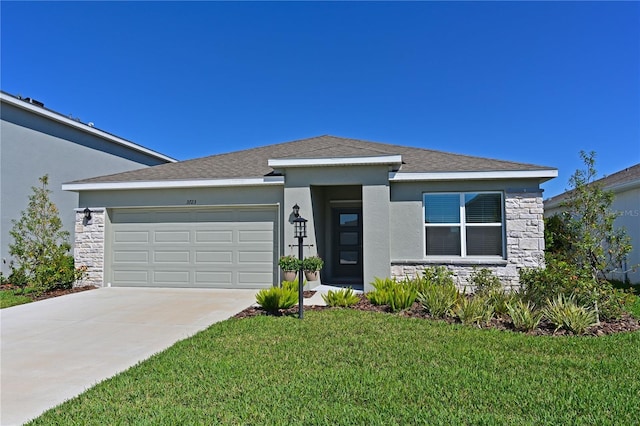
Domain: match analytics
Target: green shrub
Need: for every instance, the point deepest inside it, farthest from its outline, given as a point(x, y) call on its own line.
point(312, 263)
point(60, 273)
point(439, 299)
point(564, 278)
point(474, 310)
point(558, 277)
point(565, 312)
point(383, 287)
point(401, 297)
point(289, 263)
point(292, 285)
point(500, 299)
point(343, 297)
point(383, 283)
point(388, 291)
point(484, 281)
point(524, 315)
point(40, 247)
point(438, 275)
point(275, 298)
point(378, 297)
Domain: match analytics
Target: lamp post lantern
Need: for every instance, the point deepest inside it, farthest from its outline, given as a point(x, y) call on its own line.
point(300, 232)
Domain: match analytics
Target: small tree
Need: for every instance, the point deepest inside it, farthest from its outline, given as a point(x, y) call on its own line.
point(41, 247)
point(593, 241)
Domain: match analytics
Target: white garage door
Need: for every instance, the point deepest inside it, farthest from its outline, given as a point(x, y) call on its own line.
point(217, 248)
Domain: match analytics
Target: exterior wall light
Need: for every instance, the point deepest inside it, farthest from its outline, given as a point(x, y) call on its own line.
point(87, 214)
point(296, 210)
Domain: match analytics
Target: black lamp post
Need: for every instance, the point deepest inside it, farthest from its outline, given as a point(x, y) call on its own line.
point(300, 232)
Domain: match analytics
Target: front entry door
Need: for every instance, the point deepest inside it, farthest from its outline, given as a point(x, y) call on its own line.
point(347, 245)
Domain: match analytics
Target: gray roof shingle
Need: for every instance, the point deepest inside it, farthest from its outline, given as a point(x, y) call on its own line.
point(630, 174)
point(252, 162)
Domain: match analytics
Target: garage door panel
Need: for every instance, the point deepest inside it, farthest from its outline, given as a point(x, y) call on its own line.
point(254, 279)
point(257, 257)
point(251, 236)
point(214, 278)
point(171, 256)
point(131, 256)
point(180, 248)
point(171, 277)
point(172, 236)
point(221, 257)
point(214, 236)
point(128, 236)
point(132, 277)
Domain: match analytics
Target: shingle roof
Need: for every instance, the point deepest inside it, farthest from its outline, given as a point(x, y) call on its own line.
point(630, 174)
point(253, 162)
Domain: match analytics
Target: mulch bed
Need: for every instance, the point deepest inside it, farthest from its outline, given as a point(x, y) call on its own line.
point(49, 294)
point(621, 325)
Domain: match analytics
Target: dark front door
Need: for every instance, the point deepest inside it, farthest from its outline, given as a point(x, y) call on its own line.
point(347, 245)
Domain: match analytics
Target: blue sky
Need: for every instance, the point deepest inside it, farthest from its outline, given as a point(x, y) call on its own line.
point(532, 82)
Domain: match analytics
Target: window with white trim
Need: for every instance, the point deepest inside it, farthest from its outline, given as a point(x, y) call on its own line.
point(464, 224)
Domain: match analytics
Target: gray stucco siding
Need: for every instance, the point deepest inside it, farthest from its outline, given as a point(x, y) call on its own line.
point(376, 233)
point(212, 196)
point(31, 147)
point(523, 233)
point(54, 129)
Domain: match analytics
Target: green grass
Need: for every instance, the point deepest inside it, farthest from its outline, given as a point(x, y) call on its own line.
point(9, 298)
point(634, 309)
point(350, 367)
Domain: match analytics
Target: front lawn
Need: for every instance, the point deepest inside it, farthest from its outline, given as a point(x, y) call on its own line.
point(12, 297)
point(342, 366)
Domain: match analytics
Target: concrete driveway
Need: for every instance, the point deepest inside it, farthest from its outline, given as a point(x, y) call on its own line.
point(55, 349)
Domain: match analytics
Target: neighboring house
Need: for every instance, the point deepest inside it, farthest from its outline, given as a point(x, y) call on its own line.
point(373, 210)
point(35, 141)
point(625, 185)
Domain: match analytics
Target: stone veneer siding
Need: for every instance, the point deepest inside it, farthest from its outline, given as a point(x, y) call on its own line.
point(89, 247)
point(524, 245)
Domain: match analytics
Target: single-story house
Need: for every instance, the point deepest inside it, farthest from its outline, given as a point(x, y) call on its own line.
point(373, 210)
point(625, 185)
point(35, 141)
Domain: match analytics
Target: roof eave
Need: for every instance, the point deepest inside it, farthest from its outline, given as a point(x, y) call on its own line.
point(542, 175)
point(173, 184)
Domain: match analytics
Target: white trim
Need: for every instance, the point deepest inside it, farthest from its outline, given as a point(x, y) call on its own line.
point(506, 174)
point(167, 184)
point(19, 103)
point(334, 161)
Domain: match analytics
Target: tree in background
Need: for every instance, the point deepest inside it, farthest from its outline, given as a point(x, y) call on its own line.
point(591, 240)
point(41, 247)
